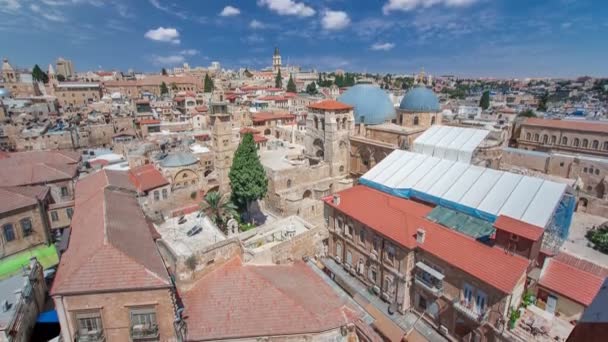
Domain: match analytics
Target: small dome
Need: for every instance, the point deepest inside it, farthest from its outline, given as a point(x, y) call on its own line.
point(420, 100)
point(4, 93)
point(178, 159)
point(372, 104)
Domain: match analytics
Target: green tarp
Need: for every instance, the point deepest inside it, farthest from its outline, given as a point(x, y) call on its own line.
point(471, 226)
point(46, 255)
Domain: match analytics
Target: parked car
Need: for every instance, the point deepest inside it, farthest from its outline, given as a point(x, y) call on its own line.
point(182, 220)
point(194, 230)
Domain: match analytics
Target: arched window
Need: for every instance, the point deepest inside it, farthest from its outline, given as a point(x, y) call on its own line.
point(595, 145)
point(585, 143)
point(528, 136)
point(316, 123)
point(344, 123)
point(564, 141)
point(289, 183)
point(576, 142)
point(433, 120)
point(322, 124)
point(536, 137)
point(605, 145)
point(416, 120)
point(553, 139)
point(545, 139)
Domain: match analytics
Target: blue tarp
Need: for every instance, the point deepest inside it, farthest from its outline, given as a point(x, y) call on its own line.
point(48, 317)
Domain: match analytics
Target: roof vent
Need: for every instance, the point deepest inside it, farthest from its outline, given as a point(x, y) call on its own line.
point(420, 234)
point(336, 199)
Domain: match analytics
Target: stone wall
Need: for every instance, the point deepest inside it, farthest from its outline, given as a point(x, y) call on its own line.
point(38, 236)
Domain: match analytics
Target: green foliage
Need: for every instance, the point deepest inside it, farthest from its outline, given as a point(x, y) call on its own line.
point(527, 300)
point(513, 317)
point(60, 78)
point(163, 88)
point(219, 208)
point(173, 86)
point(599, 238)
point(484, 102)
point(346, 80)
point(291, 85)
point(311, 88)
point(247, 176)
point(528, 113)
point(248, 73)
point(208, 87)
point(278, 81)
point(39, 75)
point(163, 72)
point(191, 262)
point(542, 102)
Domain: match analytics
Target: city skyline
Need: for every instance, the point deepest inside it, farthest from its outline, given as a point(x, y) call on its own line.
point(477, 38)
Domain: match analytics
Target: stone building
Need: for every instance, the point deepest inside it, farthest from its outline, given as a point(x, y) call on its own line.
point(223, 146)
point(582, 137)
point(77, 94)
point(112, 283)
point(65, 68)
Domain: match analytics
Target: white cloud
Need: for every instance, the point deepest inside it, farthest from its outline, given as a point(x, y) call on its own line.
point(334, 20)
point(382, 46)
point(288, 7)
point(189, 52)
point(10, 5)
point(163, 34)
point(408, 5)
point(230, 11)
point(168, 9)
point(47, 14)
point(255, 24)
point(168, 60)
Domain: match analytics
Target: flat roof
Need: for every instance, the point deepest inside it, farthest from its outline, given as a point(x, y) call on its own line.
point(182, 245)
point(448, 142)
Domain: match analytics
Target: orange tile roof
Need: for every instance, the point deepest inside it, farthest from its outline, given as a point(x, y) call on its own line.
point(266, 116)
point(259, 138)
point(146, 178)
point(330, 105)
point(570, 282)
point(398, 219)
point(251, 130)
point(238, 301)
point(588, 126)
point(518, 227)
point(14, 198)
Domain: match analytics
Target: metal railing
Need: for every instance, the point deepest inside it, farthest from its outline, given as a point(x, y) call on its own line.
point(435, 289)
point(144, 333)
point(91, 336)
point(470, 311)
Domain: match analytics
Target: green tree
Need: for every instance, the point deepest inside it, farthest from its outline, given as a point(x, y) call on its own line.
point(219, 208)
point(247, 73)
point(60, 78)
point(311, 88)
point(163, 88)
point(599, 238)
point(208, 87)
point(163, 72)
point(39, 75)
point(291, 85)
point(173, 86)
point(278, 81)
point(542, 102)
point(247, 176)
point(528, 113)
point(484, 102)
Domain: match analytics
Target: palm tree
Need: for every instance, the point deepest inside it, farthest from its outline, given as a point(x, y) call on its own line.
point(219, 208)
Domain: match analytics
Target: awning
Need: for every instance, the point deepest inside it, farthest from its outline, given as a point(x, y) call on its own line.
point(48, 317)
point(428, 269)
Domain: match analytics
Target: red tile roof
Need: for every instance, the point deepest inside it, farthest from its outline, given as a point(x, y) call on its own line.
point(518, 227)
point(111, 247)
point(330, 105)
point(259, 138)
point(267, 116)
point(570, 282)
point(146, 178)
point(201, 109)
point(272, 98)
point(13, 198)
point(398, 219)
point(38, 167)
point(246, 130)
point(588, 126)
point(582, 264)
point(238, 301)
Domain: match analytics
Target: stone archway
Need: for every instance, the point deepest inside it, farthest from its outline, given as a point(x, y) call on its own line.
point(307, 194)
point(582, 204)
point(319, 148)
point(267, 131)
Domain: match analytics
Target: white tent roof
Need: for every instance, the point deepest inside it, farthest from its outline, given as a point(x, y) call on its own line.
point(447, 142)
point(475, 189)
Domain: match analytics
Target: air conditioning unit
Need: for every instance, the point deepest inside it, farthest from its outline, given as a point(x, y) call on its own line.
point(443, 330)
point(347, 266)
point(376, 289)
point(384, 296)
point(338, 259)
point(373, 256)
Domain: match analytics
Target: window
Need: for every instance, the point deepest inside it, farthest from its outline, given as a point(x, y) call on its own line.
point(595, 145)
point(349, 257)
point(545, 139)
point(561, 164)
point(390, 253)
point(339, 250)
point(26, 226)
point(585, 170)
point(362, 235)
point(416, 121)
point(165, 195)
point(467, 294)
point(372, 274)
point(9, 232)
point(536, 137)
point(340, 224)
point(54, 216)
point(528, 136)
point(605, 145)
point(70, 212)
point(376, 244)
point(64, 191)
point(157, 195)
point(350, 230)
point(585, 143)
point(89, 323)
point(553, 139)
point(576, 142)
point(564, 141)
point(143, 322)
point(597, 171)
point(289, 183)
point(481, 302)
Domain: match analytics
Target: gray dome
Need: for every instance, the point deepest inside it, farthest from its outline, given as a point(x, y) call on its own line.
point(5, 93)
point(178, 159)
point(420, 100)
point(372, 104)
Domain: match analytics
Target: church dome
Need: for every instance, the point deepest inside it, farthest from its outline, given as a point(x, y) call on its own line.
point(179, 159)
point(372, 104)
point(420, 100)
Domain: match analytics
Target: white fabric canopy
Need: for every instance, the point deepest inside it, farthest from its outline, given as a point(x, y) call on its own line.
point(447, 142)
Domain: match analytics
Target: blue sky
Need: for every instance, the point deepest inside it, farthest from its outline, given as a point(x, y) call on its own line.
point(490, 38)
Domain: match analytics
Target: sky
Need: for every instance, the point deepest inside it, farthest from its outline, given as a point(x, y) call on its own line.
point(478, 38)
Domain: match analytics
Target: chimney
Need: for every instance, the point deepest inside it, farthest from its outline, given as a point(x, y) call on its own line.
point(336, 199)
point(420, 234)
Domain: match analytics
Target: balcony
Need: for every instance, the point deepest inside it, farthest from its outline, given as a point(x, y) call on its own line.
point(433, 286)
point(470, 311)
point(143, 332)
point(90, 336)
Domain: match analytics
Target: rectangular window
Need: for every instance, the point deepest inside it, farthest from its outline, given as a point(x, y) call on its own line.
point(165, 194)
point(89, 324)
point(143, 323)
point(9, 232)
point(64, 191)
point(54, 216)
point(70, 212)
point(157, 195)
point(468, 294)
point(481, 301)
point(390, 253)
point(349, 257)
point(26, 226)
point(362, 235)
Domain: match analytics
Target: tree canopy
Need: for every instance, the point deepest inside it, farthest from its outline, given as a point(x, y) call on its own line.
point(219, 208)
point(291, 85)
point(278, 81)
point(39, 75)
point(163, 88)
point(599, 238)
point(247, 176)
point(311, 88)
point(542, 102)
point(484, 102)
point(528, 113)
point(247, 73)
point(163, 72)
point(208, 87)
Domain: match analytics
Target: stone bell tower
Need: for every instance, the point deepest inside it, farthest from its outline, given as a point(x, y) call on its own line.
point(222, 138)
point(276, 60)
